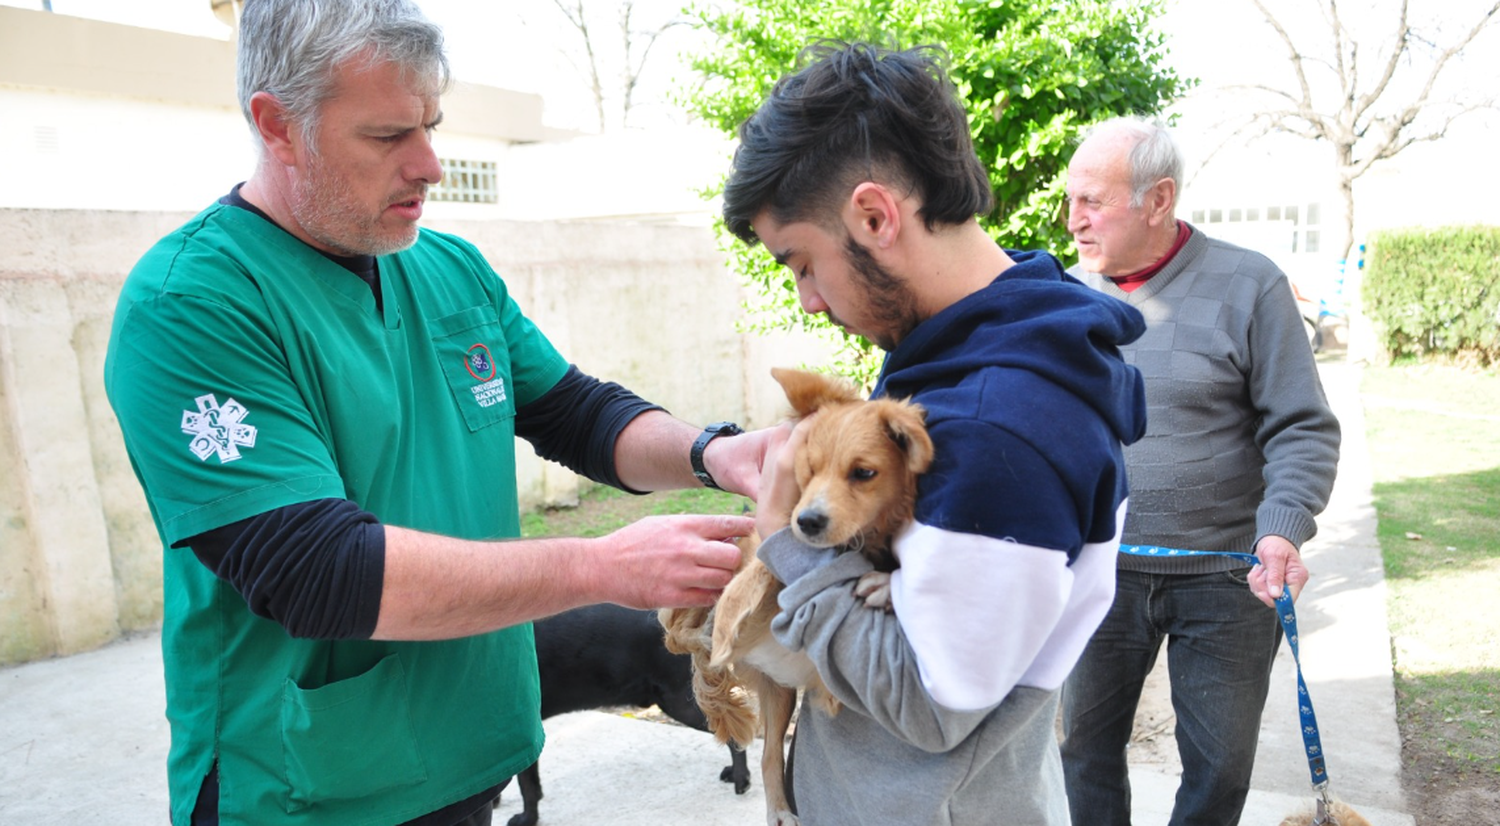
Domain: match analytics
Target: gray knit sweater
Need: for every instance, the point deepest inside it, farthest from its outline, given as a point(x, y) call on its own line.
point(1240, 442)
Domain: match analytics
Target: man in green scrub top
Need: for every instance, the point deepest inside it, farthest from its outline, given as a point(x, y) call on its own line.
point(321, 403)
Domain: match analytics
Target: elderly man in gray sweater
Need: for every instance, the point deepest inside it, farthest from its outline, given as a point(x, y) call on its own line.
point(1239, 455)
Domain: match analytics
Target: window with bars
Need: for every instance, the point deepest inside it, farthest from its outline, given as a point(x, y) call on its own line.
point(467, 182)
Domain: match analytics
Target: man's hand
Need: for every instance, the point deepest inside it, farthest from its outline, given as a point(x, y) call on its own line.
point(1280, 566)
point(779, 490)
point(668, 561)
point(737, 462)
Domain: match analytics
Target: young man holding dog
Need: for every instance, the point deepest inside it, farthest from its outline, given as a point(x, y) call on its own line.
point(321, 402)
point(1239, 455)
point(859, 175)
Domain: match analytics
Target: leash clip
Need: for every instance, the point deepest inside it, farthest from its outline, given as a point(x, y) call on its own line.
point(1325, 808)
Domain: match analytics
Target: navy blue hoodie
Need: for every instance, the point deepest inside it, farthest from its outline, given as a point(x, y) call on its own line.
point(1034, 356)
point(1009, 565)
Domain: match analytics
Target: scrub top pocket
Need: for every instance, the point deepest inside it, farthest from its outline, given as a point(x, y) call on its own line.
point(326, 735)
point(471, 348)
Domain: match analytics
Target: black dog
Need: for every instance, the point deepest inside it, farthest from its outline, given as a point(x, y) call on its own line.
point(606, 655)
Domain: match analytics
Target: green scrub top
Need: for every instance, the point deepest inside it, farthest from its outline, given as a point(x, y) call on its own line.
point(248, 372)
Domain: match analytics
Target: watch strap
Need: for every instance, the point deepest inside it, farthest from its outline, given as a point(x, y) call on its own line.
point(695, 456)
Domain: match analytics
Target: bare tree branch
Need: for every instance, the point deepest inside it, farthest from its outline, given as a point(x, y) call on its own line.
point(579, 21)
point(1292, 51)
point(1367, 122)
point(1261, 87)
point(1409, 114)
point(1399, 44)
point(1348, 76)
point(627, 66)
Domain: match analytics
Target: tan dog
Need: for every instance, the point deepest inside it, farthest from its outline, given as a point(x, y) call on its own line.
point(856, 474)
point(1337, 814)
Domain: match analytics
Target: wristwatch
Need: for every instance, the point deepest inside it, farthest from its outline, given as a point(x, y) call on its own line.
point(710, 433)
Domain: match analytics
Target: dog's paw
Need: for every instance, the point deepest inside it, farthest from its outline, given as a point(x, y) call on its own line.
point(1339, 813)
point(875, 589)
point(781, 817)
point(823, 700)
point(738, 776)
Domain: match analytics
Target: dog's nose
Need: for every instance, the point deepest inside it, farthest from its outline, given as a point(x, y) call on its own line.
point(812, 523)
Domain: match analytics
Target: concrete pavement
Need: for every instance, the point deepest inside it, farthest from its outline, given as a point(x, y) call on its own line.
point(83, 739)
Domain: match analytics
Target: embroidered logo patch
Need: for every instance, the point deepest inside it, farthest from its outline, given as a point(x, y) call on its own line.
point(480, 365)
point(490, 390)
point(218, 429)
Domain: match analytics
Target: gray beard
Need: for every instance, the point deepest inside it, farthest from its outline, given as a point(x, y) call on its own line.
point(324, 207)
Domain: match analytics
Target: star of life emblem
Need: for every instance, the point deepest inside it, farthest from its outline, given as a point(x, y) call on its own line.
point(218, 429)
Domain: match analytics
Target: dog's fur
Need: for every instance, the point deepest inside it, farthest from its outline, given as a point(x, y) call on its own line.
point(857, 479)
point(1340, 811)
point(606, 655)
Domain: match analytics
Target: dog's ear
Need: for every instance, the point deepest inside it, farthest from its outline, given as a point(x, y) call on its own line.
point(904, 424)
point(809, 391)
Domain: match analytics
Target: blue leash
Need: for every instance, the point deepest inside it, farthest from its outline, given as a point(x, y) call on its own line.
point(1288, 615)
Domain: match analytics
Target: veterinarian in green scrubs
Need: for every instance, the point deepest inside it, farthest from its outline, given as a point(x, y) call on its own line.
point(321, 403)
point(221, 428)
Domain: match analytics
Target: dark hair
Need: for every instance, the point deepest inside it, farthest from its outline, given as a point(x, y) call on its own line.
point(857, 113)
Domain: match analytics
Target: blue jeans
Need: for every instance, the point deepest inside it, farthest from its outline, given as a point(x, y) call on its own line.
point(1221, 642)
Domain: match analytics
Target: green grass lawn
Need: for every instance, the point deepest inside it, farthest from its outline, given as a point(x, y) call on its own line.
point(1434, 439)
point(602, 509)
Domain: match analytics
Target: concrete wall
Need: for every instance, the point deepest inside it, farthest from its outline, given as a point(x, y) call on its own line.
point(652, 307)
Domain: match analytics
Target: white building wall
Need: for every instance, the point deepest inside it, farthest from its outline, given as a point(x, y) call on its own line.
point(71, 150)
point(1275, 196)
point(80, 151)
point(655, 175)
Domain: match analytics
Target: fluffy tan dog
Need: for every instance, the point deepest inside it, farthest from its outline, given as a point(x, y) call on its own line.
point(1338, 813)
point(856, 474)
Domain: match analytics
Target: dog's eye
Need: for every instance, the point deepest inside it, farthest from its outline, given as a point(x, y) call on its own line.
point(862, 474)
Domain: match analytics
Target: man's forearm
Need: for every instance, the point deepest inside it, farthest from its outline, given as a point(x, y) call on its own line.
point(652, 453)
point(437, 587)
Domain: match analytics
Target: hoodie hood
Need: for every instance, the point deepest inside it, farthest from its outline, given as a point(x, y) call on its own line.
point(1033, 324)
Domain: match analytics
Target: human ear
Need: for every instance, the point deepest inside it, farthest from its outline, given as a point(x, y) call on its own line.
point(873, 215)
point(1162, 201)
point(276, 131)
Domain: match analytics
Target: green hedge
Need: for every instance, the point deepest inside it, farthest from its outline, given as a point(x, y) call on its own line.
point(1436, 292)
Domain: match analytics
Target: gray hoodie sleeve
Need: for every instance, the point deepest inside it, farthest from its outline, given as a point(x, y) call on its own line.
point(860, 652)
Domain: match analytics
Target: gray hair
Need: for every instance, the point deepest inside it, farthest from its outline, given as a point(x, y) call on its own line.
point(290, 49)
point(1153, 156)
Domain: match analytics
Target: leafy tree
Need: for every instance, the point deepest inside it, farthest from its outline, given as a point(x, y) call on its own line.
point(1031, 73)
